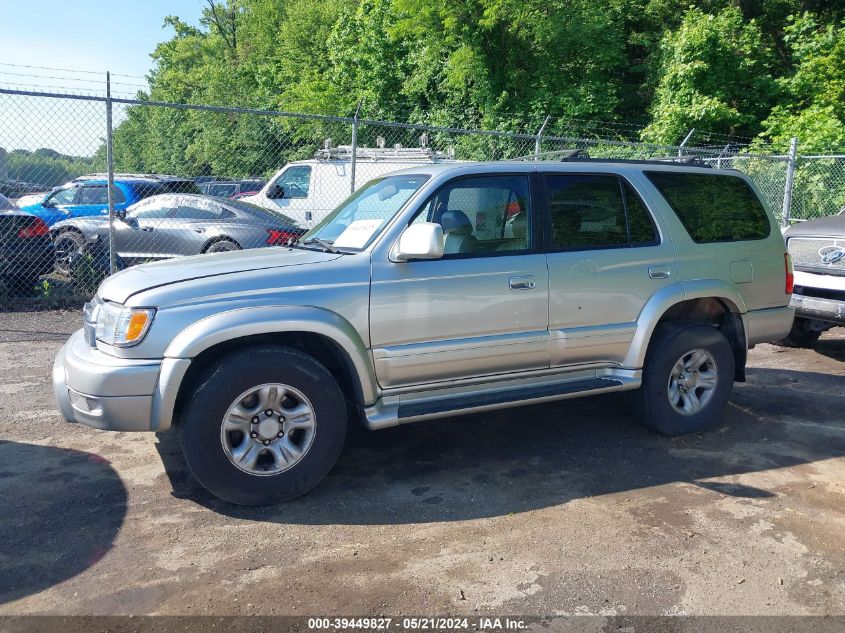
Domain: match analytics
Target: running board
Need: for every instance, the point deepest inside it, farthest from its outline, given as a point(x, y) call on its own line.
point(396, 410)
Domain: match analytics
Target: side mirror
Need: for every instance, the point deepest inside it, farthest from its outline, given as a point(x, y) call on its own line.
point(48, 204)
point(276, 192)
point(420, 241)
point(120, 214)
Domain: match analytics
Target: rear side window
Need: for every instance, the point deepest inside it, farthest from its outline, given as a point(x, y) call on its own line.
point(713, 207)
point(596, 211)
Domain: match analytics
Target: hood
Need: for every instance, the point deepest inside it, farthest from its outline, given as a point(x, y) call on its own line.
point(120, 286)
point(833, 226)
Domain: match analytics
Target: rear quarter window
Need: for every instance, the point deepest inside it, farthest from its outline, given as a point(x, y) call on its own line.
point(713, 207)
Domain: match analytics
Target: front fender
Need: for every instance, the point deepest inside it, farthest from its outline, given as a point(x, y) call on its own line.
point(251, 321)
point(664, 299)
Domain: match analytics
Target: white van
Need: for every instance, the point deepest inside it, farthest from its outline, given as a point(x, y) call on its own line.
point(308, 190)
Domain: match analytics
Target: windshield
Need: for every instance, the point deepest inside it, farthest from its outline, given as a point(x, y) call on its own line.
point(359, 219)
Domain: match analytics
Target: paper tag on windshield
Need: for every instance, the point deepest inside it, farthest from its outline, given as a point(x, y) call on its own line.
point(357, 234)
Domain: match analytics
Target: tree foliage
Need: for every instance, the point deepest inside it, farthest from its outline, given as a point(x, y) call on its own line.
point(767, 68)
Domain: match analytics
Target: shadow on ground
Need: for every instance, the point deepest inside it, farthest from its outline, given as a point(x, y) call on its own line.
point(62, 510)
point(523, 459)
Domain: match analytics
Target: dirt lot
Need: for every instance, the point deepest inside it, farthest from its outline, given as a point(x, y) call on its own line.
point(567, 508)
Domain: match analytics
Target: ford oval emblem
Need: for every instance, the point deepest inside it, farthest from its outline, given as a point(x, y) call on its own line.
point(831, 254)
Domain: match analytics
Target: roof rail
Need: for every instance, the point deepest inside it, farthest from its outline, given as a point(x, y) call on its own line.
point(98, 176)
point(580, 155)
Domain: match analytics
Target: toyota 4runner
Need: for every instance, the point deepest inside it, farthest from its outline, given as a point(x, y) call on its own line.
point(438, 290)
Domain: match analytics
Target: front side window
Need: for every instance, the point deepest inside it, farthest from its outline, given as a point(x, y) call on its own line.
point(63, 196)
point(362, 216)
point(713, 207)
point(482, 215)
point(98, 194)
point(294, 182)
point(596, 211)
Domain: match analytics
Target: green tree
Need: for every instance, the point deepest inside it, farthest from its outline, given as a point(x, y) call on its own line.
point(812, 107)
point(714, 74)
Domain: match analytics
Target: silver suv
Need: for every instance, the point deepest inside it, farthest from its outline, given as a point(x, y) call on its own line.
point(435, 291)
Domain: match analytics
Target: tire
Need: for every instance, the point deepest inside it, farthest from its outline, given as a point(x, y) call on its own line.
point(205, 440)
point(66, 245)
point(802, 334)
point(678, 342)
point(222, 246)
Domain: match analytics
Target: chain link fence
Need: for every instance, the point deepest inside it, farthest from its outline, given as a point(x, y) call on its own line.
point(190, 179)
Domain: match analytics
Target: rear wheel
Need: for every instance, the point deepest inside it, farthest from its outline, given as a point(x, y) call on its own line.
point(802, 334)
point(264, 425)
point(222, 246)
point(687, 378)
point(66, 246)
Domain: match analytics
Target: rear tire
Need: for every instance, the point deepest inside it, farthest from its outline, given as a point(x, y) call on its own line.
point(687, 378)
point(802, 334)
point(223, 246)
point(66, 246)
point(262, 465)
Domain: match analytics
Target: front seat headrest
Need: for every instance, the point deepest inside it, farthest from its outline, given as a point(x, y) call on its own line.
point(456, 222)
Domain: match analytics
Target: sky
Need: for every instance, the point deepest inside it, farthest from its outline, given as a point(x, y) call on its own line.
point(76, 42)
point(93, 35)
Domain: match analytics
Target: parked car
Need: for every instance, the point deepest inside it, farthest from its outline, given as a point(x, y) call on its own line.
point(401, 303)
point(308, 190)
point(88, 195)
point(26, 251)
point(817, 248)
point(174, 225)
point(231, 188)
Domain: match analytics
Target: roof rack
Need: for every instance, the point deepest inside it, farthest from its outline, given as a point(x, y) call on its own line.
point(397, 152)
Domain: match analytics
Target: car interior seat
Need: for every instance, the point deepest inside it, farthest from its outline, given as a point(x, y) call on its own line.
point(519, 229)
point(458, 231)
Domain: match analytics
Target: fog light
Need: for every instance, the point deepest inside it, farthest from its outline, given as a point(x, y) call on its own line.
point(85, 404)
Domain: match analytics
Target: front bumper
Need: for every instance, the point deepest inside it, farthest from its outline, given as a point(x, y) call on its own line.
point(829, 310)
point(115, 394)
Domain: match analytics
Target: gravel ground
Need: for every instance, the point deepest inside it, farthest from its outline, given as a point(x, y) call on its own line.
point(568, 508)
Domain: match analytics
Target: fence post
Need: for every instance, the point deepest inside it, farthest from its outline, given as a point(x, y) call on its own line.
point(684, 142)
point(354, 147)
point(110, 170)
point(791, 159)
point(539, 137)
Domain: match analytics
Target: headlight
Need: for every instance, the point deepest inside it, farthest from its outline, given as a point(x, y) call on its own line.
point(123, 327)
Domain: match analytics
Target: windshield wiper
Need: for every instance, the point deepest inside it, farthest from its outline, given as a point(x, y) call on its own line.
point(326, 245)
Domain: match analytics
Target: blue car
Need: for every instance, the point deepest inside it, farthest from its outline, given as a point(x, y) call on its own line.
point(88, 195)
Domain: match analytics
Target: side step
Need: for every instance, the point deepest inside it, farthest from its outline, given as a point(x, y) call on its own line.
point(392, 412)
point(476, 400)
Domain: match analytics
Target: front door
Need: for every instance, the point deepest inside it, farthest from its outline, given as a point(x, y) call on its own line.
point(482, 309)
point(606, 259)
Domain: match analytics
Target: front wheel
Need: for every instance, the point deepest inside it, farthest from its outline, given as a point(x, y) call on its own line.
point(687, 378)
point(67, 245)
point(264, 425)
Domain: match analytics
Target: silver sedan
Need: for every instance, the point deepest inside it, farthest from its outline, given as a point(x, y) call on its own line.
point(174, 225)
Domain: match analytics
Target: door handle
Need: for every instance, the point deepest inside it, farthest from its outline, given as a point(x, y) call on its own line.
point(659, 272)
point(525, 282)
point(147, 228)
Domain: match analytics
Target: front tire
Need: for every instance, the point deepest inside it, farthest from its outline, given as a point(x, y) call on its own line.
point(263, 425)
point(687, 378)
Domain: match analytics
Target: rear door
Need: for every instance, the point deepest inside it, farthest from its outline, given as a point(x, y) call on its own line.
point(482, 309)
point(606, 259)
